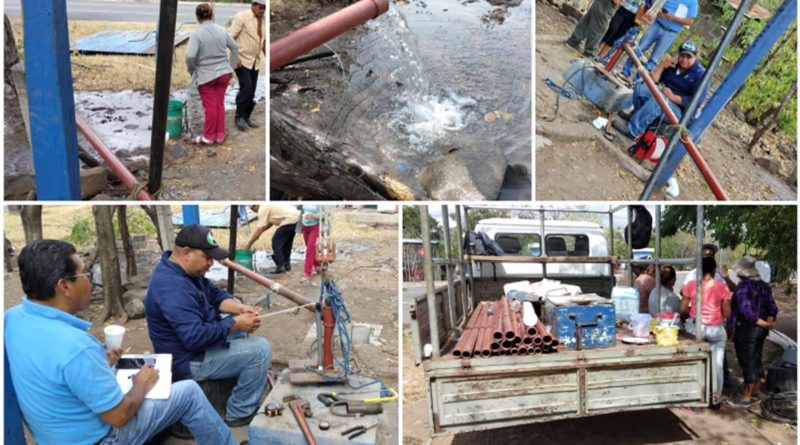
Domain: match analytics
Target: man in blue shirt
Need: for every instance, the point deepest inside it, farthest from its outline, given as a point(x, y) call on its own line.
point(184, 318)
point(64, 381)
point(674, 15)
point(680, 78)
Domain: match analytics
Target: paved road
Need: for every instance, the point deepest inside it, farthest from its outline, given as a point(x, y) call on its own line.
point(129, 11)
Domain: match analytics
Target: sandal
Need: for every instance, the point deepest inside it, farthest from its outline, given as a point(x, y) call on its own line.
point(200, 140)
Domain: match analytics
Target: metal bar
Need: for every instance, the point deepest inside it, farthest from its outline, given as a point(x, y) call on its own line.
point(288, 48)
point(471, 293)
point(756, 51)
point(428, 267)
point(501, 208)
point(112, 161)
point(541, 260)
point(542, 241)
point(232, 232)
point(698, 319)
point(611, 230)
point(466, 309)
point(166, 39)
point(657, 258)
point(285, 292)
point(191, 214)
point(697, 98)
point(705, 170)
point(672, 261)
point(630, 245)
point(451, 291)
point(51, 105)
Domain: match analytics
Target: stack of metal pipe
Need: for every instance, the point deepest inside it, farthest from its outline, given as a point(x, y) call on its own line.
point(495, 328)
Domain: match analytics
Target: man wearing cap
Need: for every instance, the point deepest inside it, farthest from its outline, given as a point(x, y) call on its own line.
point(247, 28)
point(709, 251)
point(671, 19)
point(680, 78)
point(187, 317)
point(285, 218)
point(64, 379)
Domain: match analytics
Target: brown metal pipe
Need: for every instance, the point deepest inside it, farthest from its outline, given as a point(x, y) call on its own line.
point(288, 48)
point(546, 337)
point(466, 343)
point(276, 287)
point(499, 329)
point(112, 161)
point(691, 148)
point(509, 325)
point(537, 340)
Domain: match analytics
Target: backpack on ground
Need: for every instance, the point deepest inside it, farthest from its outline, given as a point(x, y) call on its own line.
point(648, 146)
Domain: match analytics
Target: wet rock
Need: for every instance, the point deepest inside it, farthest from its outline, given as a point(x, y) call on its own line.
point(93, 181)
point(504, 2)
point(770, 165)
point(133, 294)
point(466, 175)
point(211, 152)
point(135, 309)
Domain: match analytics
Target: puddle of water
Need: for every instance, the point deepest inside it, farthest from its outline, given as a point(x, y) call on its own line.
point(424, 77)
point(122, 119)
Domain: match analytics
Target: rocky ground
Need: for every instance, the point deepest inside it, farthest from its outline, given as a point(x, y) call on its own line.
point(573, 161)
point(365, 271)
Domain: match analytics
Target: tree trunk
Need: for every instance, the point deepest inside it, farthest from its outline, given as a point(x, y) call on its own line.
point(127, 246)
point(770, 117)
point(31, 222)
point(109, 264)
point(7, 254)
point(151, 213)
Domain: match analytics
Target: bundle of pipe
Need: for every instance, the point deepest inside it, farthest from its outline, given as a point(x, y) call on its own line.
point(495, 328)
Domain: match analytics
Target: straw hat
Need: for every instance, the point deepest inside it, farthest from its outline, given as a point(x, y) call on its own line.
point(746, 268)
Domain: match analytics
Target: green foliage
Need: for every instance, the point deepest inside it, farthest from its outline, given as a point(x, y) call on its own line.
point(769, 231)
point(412, 227)
point(82, 233)
point(138, 224)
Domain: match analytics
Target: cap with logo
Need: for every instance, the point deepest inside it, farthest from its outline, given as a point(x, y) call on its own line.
point(688, 47)
point(196, 236)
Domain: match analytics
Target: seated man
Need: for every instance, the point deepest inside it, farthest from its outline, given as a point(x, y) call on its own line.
point(680, 79)
point(645, 282)
point(669, 301)
point(64, 380)
point(183, 313)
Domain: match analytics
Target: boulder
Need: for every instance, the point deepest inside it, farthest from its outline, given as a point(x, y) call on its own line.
point(465, 174)
point(93, 181)
point(135, 309)
point(770, 165)
point(133, 294)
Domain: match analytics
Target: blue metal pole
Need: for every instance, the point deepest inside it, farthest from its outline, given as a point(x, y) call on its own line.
point(12, 416)
point(50, 103)
point(191, 214)
point(756, 52)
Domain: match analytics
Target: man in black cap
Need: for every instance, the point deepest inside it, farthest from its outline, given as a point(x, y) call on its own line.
point(187, 317)
point(680, 78)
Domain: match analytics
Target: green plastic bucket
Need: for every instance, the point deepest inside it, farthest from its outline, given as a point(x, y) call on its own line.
point(244, 258)
point(175, 119)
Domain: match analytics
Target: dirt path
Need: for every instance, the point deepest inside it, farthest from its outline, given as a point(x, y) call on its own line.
point(366, 273)
point(574, 164)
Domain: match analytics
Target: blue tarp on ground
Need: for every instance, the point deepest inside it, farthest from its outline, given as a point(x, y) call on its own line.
point(123, 42)
point(216, 217)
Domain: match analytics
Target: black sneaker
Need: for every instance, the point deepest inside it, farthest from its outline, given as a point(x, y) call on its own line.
point(573, 46)
point(249, 122)
point(279, 270)
point(288, 267)
point(241, 124)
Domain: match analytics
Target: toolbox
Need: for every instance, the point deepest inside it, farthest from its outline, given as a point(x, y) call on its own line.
point(584, 321)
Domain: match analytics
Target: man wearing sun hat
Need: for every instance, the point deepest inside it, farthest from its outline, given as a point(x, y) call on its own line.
point(187, 316)
point(679, 78)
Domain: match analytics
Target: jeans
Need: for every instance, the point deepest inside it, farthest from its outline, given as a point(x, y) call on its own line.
point(310, 235)
point(247, 358)
point(213, 96)
point(248, 80)
point(716, 336)
point(282, 245)
point(186, 403)
point(593, 25)
point(657, 37)
point(646, 109)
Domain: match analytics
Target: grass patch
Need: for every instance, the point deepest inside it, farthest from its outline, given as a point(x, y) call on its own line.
point(117, 72)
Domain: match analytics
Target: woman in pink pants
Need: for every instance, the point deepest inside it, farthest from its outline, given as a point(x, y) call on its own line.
point(211, 69)
point(310, 222)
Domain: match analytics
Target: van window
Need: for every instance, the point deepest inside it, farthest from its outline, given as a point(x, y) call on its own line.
point(567, 245)
point(520, 244)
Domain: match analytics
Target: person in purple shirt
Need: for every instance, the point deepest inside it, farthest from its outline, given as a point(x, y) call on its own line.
point(754, 313)
point(680, 78)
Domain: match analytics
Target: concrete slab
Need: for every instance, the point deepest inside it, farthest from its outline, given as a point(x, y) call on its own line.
point(284, 429)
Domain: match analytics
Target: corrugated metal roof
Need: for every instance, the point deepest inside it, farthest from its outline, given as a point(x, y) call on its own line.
point(123, 42)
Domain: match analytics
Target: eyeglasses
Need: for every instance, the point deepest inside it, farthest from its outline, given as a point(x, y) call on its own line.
point(85, 274)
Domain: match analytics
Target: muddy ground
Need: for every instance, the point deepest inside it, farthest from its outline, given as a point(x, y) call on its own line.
point(573, 163)
point(365, 271)
point(233, 169)
point(730, 426)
